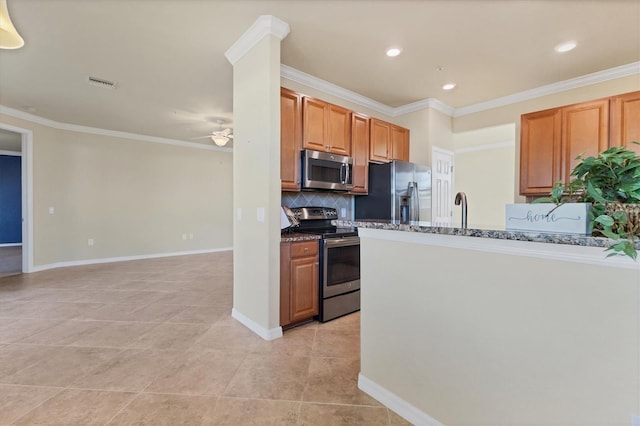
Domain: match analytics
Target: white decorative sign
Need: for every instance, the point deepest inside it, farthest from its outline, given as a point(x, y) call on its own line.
point(569, 218)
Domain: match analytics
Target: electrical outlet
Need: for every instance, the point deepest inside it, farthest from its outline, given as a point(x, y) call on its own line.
point(52, 210)
point(239, 214)
point(260, 214)
point(90, 242)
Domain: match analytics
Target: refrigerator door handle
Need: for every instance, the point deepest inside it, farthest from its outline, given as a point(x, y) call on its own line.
point(416, 202)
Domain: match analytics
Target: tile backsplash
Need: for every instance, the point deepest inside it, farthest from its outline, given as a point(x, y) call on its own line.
point(320, 199)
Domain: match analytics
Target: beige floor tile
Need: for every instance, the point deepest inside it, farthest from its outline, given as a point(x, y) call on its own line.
point(330, 415)
point(170, 410)
point(198, 373)
point(78, 407)
point(336, 343)
point(130, 370)
point(63, 333)
point(16, 401)
point(253, 412)
point(200, 315)
point(270, 377)
point(172, 336)
point(335, 380)
point(61, 366)
point(49, 310)
point(22, 328)
point(14, 358)
point(396, 420)
point(110, 312)
point(349, 322)
point(228, 334)
point(295, 342)
point(114, 334)
point(156, 312)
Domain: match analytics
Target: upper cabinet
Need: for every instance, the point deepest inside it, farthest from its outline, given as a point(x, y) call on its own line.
point(625, 121)
point(290, 139)
point(540, 146)
point(360, 151)
point(551, 140)
point(326, 127)
point(388, 142)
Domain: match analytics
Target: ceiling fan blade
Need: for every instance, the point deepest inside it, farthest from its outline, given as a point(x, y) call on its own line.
point(201, 137)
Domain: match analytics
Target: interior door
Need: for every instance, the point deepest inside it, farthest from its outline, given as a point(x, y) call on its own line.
point(442, 175)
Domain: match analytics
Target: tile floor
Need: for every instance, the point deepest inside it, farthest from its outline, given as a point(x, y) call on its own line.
point(152, 342)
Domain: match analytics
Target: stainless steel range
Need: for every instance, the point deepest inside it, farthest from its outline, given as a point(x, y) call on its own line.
point(339, 261)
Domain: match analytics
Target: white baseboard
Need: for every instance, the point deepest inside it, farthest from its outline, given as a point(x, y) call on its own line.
point(11, 245)
point(265, 333)
point(395, 403)
point(124, 259)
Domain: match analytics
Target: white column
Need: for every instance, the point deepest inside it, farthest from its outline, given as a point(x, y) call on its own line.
point(256, 176)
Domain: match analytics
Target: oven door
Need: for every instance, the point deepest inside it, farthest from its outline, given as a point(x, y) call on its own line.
point(340, 266)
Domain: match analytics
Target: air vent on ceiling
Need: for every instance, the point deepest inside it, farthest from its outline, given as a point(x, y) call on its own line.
point(101, 82)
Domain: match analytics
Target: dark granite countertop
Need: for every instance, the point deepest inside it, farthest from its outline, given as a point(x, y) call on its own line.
point(297, 236)
point(541, 237)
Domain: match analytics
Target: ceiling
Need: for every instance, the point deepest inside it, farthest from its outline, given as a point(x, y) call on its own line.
point(173, 81)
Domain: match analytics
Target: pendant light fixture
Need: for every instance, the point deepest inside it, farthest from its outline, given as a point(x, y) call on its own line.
point(9, 37)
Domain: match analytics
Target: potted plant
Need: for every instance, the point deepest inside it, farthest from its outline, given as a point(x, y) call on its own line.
point(611, 183)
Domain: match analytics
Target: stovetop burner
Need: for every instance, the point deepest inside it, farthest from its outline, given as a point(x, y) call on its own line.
point(317, 220)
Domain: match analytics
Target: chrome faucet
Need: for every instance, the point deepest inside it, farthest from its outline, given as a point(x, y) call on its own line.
point(461, 198)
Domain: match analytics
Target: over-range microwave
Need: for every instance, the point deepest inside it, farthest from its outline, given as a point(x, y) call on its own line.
point(323, 170)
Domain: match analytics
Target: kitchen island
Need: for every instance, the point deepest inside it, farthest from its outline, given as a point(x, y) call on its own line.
point(481, 327)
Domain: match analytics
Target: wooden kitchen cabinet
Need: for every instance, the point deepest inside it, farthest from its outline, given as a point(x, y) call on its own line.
point(326, 127)
point(551, 140)
point(625, 121)
point(299, 281)
point(399, 143)
point(388, 142)
point(540, 146)
point(360, 151)
point(290, 139)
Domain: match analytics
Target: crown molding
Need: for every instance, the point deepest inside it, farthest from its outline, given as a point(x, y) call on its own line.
point(549, 89)
point(263, 26)
point(104, 132)
point(333, 89)
point(433, 103)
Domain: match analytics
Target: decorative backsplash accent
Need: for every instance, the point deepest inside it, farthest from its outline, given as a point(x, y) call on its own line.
point(320, 199)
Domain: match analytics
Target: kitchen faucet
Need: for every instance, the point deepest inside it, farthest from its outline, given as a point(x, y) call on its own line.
point(461, 198)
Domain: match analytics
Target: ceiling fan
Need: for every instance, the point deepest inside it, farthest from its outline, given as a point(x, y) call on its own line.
point(221, 136)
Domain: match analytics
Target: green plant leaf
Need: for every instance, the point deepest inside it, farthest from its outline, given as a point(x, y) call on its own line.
point(605, 220)
point(543, 200)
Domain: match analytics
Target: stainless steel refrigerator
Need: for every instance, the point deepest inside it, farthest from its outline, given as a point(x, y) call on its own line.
point(398, 191)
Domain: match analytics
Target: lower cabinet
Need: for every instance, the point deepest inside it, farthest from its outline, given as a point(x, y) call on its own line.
point(299, 281)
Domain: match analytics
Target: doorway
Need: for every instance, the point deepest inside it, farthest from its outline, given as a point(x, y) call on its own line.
point(442, 186)
point(16, 246)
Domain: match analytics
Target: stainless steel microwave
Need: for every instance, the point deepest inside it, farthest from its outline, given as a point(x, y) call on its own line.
point(322, 170)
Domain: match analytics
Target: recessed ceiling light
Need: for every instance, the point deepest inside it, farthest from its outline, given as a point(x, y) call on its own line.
point(565, 47)
point(448, 86)
point(394, 51)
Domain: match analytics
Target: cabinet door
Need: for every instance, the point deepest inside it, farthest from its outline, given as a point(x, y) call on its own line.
point(339, 123)
point(625, 121)
point(290, 139)
point(285, 283)
point(380, 142)
point(540, 145)
point(585, 130)
point(399, 143)
point(360, 151)
point(314, 127)
point(304, 288)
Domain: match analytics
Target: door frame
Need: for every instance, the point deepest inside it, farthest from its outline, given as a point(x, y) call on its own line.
point(27, 194)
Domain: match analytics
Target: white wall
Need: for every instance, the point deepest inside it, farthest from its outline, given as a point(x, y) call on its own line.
point(470, 336)
point(485, 171)
point(133, 197)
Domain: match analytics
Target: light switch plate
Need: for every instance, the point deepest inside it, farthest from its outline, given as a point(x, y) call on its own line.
point(239, 214)
point(52, 210)
point(260, 214)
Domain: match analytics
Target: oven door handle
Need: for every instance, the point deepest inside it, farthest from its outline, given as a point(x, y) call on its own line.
point(341, 242)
